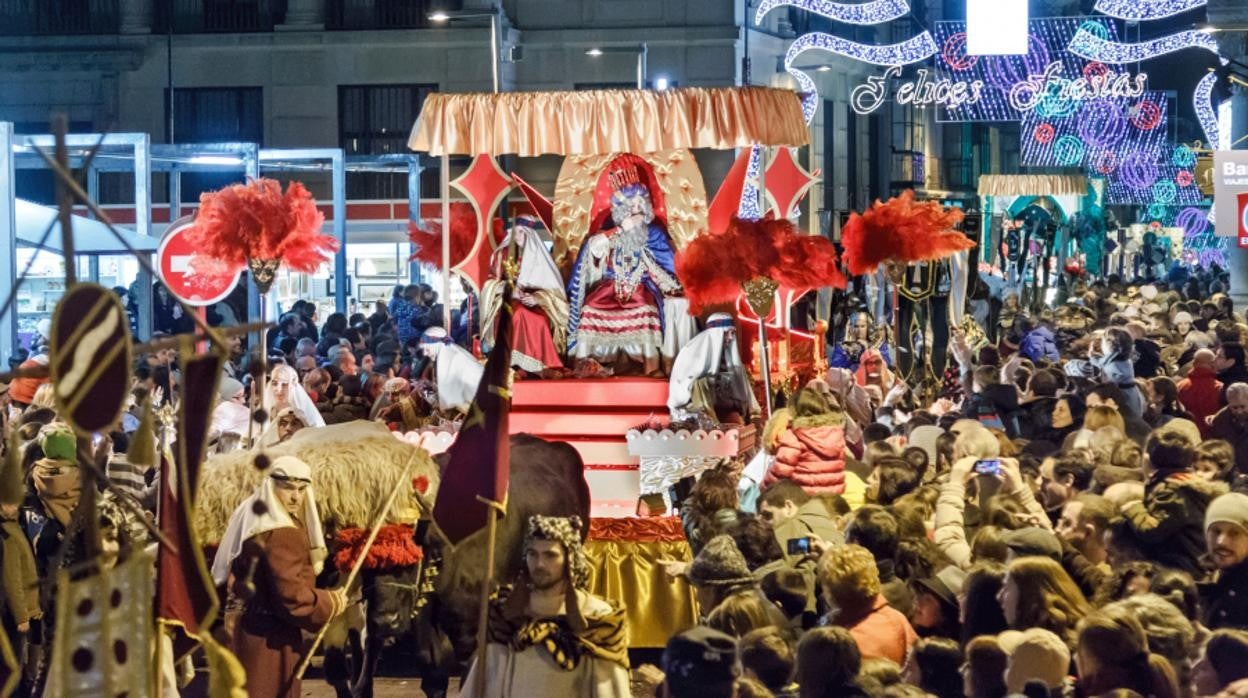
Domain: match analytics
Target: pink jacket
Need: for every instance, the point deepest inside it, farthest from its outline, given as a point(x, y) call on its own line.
point(813, 457)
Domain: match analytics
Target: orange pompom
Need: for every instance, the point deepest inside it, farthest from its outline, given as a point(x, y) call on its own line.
point(258, 221)
point(904, 230)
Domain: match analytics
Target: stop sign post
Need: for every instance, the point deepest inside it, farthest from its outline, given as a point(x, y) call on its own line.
point(180, 277)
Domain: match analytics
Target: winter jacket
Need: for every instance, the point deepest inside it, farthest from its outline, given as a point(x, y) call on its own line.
point(1147, 358)
point(812, 519)
point(1089, 575)
point(1039, 344)
point(813, 457)
point(1201, 394)
point(1170, 522)
point(20, 581)
point(1226, 598)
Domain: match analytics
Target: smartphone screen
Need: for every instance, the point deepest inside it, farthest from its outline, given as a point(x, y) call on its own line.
point(988, 467)
point(799, 546)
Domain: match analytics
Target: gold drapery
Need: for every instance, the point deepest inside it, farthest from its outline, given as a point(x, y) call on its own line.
point(629, 573)
point(1033, 185)
point(608, 121)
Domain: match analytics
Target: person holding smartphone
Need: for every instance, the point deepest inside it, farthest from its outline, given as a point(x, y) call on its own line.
point(977, 459)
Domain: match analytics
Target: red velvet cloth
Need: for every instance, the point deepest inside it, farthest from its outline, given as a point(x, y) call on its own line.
point(659, 529)
point(531, 337)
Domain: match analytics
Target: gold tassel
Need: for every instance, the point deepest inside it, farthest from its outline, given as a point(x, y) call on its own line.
point(142, 449)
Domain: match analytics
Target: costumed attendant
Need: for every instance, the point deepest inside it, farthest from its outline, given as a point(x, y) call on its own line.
point(862, 335)
point(547, 635)
point(539, 304)
point(622, 276)
point(456, 371)
point(709, 378)
point(285, 392)
point(231, 415)
point(271, 552)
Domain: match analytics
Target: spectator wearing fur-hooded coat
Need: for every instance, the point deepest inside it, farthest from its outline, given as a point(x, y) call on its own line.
point(808, 440)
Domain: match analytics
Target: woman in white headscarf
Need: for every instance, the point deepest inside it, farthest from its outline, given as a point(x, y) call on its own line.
point(284, 392)
point(271, 552)
point(708, 371)
point(456, 371)
point(539, 303)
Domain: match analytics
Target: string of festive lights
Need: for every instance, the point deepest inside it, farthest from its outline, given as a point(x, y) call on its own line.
point(1087, 45)
point(917, 48)
point(865, 13)
point(749, 208)
point(1206, 113)
point(1141, 10)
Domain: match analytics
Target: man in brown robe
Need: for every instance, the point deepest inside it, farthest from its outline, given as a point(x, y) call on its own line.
point(270, 555)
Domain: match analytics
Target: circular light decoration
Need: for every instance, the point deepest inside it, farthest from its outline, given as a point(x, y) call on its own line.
point(1184, 178)
point(1043, 133)
point(1146, 115)
point(1095, 28)
point(1005, 71)
point(1101, 124)
point(1165, 191)
point(1183, 156)
point(1192, 220)
point(954, 53)
point(1105, 162)
point(1055, 106)
point(1137, 170)
point(1068, 150)
point(1095, 68)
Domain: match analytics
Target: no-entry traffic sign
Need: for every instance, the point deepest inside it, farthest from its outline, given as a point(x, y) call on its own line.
point(190, 280)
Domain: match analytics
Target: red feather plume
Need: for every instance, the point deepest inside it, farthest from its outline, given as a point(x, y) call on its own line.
point(901, 229)
point(463, 236)
point(258, 221)
point(712, 268)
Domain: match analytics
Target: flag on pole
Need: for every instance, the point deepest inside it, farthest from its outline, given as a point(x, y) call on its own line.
point(480, 462)
point(185, 597)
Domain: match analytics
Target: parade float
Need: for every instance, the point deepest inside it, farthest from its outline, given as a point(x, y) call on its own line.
point(614, 143)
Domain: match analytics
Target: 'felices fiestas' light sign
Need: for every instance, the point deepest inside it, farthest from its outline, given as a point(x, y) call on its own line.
point(1023, 96)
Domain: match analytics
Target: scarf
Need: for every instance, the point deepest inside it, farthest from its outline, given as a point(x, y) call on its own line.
point(567, 639)
point(58, 485)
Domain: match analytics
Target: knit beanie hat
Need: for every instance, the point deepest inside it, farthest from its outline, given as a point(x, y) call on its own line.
point(58, 443)
point(1231, 507)
point(720, 563)
point(699, 661)
point(1034, 653)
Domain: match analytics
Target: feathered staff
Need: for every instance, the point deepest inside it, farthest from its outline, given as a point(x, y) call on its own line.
point(257, 225)
point(901, 230)
point(716, 269)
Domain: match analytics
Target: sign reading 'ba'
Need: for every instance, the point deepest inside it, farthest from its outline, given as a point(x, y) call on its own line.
point(1242, 209)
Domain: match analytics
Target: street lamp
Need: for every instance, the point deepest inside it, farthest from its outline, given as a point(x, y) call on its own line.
point(441, 17)
point(641, 52)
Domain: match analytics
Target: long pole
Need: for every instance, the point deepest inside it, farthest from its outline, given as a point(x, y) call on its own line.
point(494, 46)
point(359, 561)
point(642, 65)
point(483, 621)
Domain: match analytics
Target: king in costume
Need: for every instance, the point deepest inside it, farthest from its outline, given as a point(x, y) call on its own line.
point(624, 273)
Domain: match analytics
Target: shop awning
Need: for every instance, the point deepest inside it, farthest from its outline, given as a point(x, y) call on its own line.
point(1033, 185)
point(90, 237)
point(593, 122)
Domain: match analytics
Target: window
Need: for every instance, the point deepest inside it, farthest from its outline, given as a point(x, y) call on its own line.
point(198, 16)
point(630, 85)
point(214, 115)
point(379, 14)
point(51, 17)
point(376, 120)
point(909, 141)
